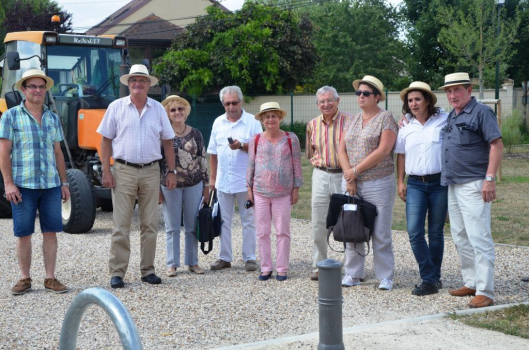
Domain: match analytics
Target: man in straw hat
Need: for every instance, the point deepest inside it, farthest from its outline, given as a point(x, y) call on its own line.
point(322, 139)
point(471, 157)
point(34, 173)
point(228, 149)
point(132, 129)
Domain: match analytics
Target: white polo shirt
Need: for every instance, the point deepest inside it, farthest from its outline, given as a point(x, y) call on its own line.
point(231, 168)
point(422, 144)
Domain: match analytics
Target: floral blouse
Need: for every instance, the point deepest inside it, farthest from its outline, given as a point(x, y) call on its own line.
point(360, 142)
point(190, 160)
point(274, 171)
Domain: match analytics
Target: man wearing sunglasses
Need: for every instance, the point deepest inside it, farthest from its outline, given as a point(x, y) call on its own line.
point(228, 149)
point(134, 128)
point(323, 137)
point(34, 173)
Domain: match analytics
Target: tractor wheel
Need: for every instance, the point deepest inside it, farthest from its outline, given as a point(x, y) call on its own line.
point(5, 205)
point(79, 213)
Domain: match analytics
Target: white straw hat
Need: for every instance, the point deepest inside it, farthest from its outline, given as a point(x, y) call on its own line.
point(138, 70)
point(374, 82)
point(418, 85)
point(456, 79)
point(34, 73)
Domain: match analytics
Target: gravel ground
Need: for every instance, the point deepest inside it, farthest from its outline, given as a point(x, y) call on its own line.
point(218, 308)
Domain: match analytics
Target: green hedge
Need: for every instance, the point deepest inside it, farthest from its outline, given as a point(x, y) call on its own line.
point(299, 129)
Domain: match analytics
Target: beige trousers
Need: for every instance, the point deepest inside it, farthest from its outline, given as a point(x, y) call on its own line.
point(132, 183)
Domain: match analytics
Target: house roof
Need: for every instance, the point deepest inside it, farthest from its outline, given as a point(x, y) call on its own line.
point(124, 12)
point(152, 27)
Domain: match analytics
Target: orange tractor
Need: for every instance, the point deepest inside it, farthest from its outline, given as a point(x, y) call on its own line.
point(86, 71)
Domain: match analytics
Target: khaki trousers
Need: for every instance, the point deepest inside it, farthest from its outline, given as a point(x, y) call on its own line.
point(132, 183)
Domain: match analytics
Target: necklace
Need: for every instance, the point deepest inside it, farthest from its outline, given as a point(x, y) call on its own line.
point(183, 131)
point(368, 117)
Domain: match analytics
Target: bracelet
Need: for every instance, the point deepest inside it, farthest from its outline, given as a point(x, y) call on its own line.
point(65, 184)
point(354, 171)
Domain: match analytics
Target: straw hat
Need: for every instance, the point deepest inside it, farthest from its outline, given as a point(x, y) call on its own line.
point(34, 73)
point(418, 85)
point(456, 79)
point(270, 106)
point(138, 70)
point(176, 98)
point(374, 82)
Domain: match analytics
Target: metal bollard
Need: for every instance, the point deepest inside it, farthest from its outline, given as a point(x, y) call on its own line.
point(128, 333)
point(330, 301)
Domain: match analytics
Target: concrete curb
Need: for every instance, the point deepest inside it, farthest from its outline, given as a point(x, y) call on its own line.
point(348, 330)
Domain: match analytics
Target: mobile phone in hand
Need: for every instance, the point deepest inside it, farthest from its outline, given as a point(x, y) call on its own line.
point(248, 204)
point(230, 140)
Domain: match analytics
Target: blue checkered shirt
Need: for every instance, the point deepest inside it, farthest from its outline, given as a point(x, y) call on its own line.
point(32, 158)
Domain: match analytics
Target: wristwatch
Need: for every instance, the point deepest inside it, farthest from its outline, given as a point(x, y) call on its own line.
point(242, 146)
point(490, 178)
point(65, 184)
point(171, 171)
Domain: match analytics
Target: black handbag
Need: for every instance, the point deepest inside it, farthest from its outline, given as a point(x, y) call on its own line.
point(338, 200)
point(209, 223)
point(350, 226)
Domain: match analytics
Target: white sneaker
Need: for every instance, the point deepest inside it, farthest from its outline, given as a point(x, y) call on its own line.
point(348, 281)
point(385, 284)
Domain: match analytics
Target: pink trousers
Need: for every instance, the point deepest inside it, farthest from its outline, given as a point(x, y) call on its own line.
point(278, 210)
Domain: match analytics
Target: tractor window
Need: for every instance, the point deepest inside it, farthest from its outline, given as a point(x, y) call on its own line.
point(25, 49)
point(84, 71)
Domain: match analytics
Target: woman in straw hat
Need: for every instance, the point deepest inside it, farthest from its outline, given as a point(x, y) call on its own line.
point(274, 178)
point(419, 147)
point(366, 158)
point(192, 184)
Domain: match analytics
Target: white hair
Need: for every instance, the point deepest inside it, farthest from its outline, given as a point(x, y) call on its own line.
point(230, 90)
point(325, 89)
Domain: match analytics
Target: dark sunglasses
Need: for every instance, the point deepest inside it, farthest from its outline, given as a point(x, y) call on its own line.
point(234, 103)
point(180, 109)
point(365, 93)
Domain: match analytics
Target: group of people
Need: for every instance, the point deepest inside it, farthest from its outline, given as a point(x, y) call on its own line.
point(451, 160)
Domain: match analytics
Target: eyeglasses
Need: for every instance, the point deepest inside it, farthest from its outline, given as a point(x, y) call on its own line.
point(141, 80)
point(327, 101)
point(365, 93)
point(35, 87)
point(233, 103)
point(179, 109)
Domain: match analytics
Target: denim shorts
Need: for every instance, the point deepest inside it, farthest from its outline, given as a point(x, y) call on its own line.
point(49, 204)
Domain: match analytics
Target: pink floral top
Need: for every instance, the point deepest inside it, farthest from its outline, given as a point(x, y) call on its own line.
point(360, 142)
point(274, 171)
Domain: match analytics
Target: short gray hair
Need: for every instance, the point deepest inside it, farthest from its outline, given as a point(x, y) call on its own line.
point(230, 90)
point(325, 89)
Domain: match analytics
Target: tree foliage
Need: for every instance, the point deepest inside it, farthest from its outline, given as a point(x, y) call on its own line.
point(262, 49)
point(22, 15)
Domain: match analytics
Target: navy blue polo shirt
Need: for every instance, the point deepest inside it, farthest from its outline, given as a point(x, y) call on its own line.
point(466, 143)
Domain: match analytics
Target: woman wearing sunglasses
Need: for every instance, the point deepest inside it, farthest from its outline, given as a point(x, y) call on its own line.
point(419, 146)
point(365, 155)
point(192, 184)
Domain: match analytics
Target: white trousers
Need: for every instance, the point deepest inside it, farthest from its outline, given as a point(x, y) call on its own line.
point(323, 185)
point(471, 232)
point(227, 207)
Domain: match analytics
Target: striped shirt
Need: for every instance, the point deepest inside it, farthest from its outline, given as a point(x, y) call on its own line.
point(323, 139)
point(33, 161)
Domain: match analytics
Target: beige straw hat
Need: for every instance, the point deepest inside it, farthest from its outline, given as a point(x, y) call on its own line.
point(34, 73)
point(270, 106)
point(456, 79)
point(418, 85)
point(374, 82)
point(138, 70)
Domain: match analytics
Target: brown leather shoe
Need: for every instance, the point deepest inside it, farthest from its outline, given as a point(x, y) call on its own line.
point(220, 264)
point(480, 301)
point(314, 276)
point(462, 292)
point(53, 285)
point(21, 287)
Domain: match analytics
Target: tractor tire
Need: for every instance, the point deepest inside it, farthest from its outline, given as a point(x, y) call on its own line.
point(79, 213)
point(5, 205)
point(106, 204)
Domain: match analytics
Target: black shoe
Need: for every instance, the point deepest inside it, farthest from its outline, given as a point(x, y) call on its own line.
point(117, 282)
point(281, 278)
point(151, 279)
point(439, 284)
point(425, 289)
point(265, 277)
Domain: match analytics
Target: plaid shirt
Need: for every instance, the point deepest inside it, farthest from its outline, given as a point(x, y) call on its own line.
point(32, 158)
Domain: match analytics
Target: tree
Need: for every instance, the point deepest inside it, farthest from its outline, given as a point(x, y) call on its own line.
point(262, 49)
point(22, 15)
point(355, 38)
point(519, 64)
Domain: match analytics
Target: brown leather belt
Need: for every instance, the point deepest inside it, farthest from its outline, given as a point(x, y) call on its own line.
point(330, 170)
point(426, 178)
point(136, 165)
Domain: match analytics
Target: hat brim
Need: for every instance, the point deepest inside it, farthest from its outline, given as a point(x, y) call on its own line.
point(179, 99)
point(405, 91)
point(357, 82)
point(124, 79)
point(282, 111)
point(455, 84)
point(49, 81)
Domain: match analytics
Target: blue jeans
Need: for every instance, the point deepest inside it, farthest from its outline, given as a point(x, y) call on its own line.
point(423, 198)
point(47, 202)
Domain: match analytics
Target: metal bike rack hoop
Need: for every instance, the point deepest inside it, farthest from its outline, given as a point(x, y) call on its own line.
point(128, 333)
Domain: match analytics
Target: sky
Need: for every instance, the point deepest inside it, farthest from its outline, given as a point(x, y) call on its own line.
point(87, 14)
